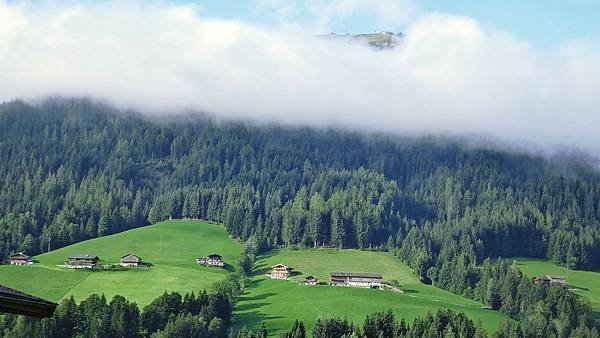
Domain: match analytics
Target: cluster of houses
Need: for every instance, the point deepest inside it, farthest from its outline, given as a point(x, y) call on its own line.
point(127, 261)
point(91, 262)
point(354, 279)
point(278, 271)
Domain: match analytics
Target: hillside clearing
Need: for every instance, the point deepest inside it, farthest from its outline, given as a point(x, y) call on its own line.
point(171, 246)
point(584, 283)
point(279, 302)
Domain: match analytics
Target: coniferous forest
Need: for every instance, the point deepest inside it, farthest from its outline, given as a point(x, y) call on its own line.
point(74, 169)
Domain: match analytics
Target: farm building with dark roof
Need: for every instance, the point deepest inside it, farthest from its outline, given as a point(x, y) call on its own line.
point(357, 279)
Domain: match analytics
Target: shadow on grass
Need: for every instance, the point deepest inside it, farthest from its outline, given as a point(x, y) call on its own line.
point(252, 319)
point(409, 290)
point(249, 306)
point(575, 287)
point(260, 269)
point(267, 255)
point(257, 297)
point(252, 283)
point(229, 267)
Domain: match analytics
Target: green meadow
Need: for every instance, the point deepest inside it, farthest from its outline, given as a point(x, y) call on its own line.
point(172, 247)
point(279, 302)
point(584, 283)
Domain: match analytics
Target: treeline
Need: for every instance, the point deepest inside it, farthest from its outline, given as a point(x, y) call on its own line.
point(444, 323)
point(169, 315)
point(541, 310)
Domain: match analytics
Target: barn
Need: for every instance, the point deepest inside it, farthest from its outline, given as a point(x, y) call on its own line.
point(131, 261)
point(82, 262)
point(356, 279)
point(20, 259)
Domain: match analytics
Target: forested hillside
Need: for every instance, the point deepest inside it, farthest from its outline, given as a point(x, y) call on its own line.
point(72, 169)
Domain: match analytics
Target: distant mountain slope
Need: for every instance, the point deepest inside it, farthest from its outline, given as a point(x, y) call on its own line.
point(74, 170)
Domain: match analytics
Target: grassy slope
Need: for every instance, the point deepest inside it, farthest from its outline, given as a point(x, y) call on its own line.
point(171, 246)
point(278, 303)
point(585, 283)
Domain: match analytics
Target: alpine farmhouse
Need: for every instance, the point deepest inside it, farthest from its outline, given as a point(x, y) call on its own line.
point(310, 280)
point(132, 261)
point(363, 280)
point(211, 260)
point(280, 271)
point(550, 279)
point(82, 262)
point(20, 259)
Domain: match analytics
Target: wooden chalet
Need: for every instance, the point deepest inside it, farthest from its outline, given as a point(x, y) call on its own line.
point(211, 260)
point(550, 279)
point(364, 280)
point(20, 259)
point(82, 262)
point(132, 261)
point(280, 271)
point(17, 302)
point(310, 280)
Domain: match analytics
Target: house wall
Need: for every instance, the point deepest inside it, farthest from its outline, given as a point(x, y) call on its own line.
point(80, 265)
point(215, 262)
point(364, 284)
point(19, 262)
point(279, 274)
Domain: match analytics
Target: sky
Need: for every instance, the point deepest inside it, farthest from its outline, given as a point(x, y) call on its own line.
point(541, 22)
point(525, 73)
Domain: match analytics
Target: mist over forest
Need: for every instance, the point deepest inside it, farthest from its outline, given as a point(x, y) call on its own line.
point(448, 75)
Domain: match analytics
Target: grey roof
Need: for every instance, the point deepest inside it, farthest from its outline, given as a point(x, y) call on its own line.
point(83, 257)
point(13, 301)
point(131, 258)
point(19, 254)
point(281, 265)
point(214, 255)
point(356, 275)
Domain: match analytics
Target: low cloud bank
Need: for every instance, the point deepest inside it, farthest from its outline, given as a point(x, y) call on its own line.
point(448, 76)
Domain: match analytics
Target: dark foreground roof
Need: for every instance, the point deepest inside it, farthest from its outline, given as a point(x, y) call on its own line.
point(356, 275)
point(17, 302)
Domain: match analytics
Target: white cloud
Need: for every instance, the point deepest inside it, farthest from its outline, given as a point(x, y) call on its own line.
point(448, 76)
